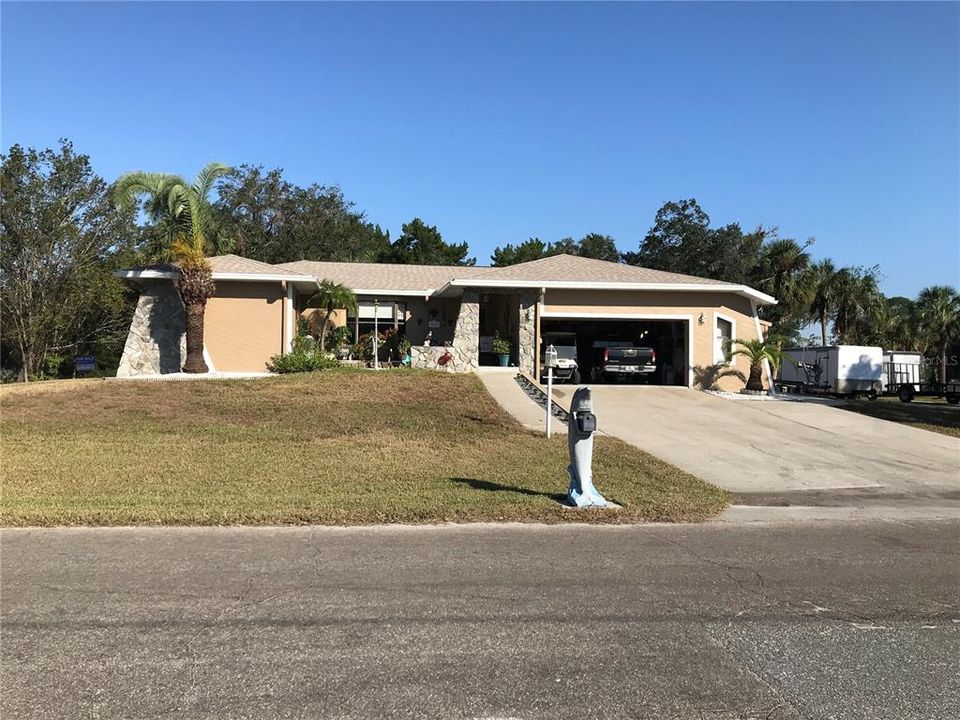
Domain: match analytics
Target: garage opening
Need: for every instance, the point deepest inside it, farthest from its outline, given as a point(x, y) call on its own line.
point(666, 338)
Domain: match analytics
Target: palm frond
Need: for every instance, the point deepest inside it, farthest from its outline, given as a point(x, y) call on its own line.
point(131, 186)
point(333, 296)
point(208, 176)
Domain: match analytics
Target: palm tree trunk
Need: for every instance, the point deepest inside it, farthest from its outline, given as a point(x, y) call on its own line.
point(943, 364)
point(195, 362)
point(755, 382)
point(324, 327)
point(823, 327)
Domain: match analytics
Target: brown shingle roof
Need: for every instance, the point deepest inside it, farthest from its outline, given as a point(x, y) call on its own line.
point(572, 268)
point(245, 266)
point(557, 268)
point(383, 276)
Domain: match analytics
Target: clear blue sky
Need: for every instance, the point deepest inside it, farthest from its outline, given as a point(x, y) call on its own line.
point(497, 122)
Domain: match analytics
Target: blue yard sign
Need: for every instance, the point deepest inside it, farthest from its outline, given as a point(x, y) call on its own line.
point(84, 363)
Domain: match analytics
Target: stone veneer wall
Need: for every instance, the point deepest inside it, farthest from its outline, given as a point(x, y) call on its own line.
point(466, 333)
point(527, 335)
point(465, 347)
point(156, 343)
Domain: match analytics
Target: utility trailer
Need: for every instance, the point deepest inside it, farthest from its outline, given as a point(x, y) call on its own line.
point(909, 375)
point(837, 370)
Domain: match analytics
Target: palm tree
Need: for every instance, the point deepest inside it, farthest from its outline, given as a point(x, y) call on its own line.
point(758, 351)
point(184, 216)
point(900, 330)
point(938, 315)
point(858, 302)
point(330, 296)
point(783, 263)
point(821, 279)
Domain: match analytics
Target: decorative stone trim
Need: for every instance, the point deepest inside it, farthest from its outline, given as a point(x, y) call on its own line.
point(466, 333)
point(527, 334)
point(156, 343)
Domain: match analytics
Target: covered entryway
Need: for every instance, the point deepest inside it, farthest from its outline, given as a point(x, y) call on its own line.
point(669, 338)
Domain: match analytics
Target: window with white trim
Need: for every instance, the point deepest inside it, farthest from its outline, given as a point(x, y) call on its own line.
point(723, 339)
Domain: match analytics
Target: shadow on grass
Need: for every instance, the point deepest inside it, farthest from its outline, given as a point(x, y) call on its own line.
point(498, 487)
point(940, 416)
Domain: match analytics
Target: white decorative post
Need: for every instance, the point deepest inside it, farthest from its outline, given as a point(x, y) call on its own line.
point(376, 348)
point(550, 362)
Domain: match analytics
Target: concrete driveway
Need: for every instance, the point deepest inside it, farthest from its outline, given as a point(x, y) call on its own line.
point(775, 452)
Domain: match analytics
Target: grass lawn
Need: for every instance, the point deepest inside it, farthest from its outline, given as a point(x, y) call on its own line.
point(336, 447)
point(924, 413)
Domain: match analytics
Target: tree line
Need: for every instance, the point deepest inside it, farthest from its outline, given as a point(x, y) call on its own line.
point(845, 304)
point(64, 230)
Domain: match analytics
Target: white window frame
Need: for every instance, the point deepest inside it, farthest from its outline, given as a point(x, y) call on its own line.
point(719, 357)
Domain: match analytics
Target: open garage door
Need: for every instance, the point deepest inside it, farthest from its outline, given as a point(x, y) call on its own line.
point(668, 339)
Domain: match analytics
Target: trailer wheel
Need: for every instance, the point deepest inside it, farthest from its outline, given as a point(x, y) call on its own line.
point(906, 393)
point(872, 394)
point(953, 399)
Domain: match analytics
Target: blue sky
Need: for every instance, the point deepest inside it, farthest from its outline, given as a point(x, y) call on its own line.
point(498, 122)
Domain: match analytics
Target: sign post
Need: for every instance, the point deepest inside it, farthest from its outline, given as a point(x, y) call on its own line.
point(84, 364)
point(550, 360)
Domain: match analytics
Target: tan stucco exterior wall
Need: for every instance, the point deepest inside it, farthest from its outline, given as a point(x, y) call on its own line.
point(653, 304)
point(243, 326)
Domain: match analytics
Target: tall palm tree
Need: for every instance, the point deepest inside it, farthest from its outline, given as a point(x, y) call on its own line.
point(183, 214)
point(938, 315)
point(821, 279)
point(783, 264)
point(330, 296)
point(758, 351)
point(858, 301)
point(896, 325)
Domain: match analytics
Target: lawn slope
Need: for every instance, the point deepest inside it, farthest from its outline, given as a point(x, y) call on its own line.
point(336, 447)
point(930, 414)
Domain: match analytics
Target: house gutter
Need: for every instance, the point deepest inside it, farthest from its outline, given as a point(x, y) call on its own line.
point(742, 290)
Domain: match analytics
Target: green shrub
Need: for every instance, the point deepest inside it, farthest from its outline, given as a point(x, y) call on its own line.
point(304, 356)
point(339, 336)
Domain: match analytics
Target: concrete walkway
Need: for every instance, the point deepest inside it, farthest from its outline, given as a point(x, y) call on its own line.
point(511, 397)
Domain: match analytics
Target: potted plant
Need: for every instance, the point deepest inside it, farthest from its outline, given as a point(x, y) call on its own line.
point(501, 347)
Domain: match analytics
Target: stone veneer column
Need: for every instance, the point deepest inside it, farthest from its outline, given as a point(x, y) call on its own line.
point(156, 343)
point(466, 333)
point(527, 335)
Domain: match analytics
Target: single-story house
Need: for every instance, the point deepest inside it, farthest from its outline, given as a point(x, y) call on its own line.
point(450, 310)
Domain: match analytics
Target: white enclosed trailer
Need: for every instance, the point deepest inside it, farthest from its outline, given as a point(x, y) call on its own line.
point(833, 370)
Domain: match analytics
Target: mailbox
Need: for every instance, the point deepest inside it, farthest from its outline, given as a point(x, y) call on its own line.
point(586, 422)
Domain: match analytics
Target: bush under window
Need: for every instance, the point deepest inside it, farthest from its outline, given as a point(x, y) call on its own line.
point(304, 356)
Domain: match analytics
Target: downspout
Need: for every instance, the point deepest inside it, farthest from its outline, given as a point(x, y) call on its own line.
point(288, 328)
point(536, 332)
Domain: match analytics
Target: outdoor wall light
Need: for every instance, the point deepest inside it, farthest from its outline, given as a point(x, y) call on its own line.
point(700, 319)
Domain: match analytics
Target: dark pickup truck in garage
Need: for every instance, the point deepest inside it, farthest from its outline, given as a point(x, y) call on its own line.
point(616, 358)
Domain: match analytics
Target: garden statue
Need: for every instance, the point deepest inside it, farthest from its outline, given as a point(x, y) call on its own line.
point(581, 424)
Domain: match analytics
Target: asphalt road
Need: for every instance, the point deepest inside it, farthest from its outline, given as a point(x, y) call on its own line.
point(851, 620)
